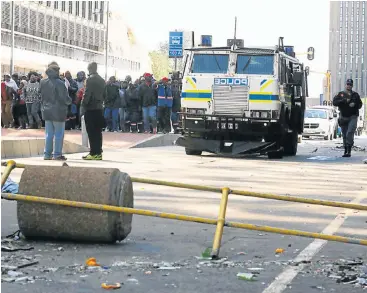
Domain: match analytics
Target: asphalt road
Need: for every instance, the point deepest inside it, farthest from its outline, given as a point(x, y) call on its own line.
point(318, 171)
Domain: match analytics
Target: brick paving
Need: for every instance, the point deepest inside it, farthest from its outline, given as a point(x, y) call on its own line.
point(110, 139)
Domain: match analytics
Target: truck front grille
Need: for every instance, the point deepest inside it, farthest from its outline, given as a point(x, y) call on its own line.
point(230, 100)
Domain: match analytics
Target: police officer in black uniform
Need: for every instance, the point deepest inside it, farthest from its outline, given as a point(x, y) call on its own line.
point(349, 103)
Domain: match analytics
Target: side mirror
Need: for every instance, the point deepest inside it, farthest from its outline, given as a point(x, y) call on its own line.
point(297, 78)
point(307, 70)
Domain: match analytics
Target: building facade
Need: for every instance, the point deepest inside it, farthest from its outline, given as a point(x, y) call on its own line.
point(347, 45)
point(72, 33)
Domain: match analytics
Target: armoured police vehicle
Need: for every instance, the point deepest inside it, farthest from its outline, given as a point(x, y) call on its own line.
point(241, 100)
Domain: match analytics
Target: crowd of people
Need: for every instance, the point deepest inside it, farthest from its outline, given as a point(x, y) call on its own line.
point(58, 102)
point(143, 105)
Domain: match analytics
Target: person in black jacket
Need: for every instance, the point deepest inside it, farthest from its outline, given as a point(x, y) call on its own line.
point(133, 106)
point(349, 103)
point(148, 96)
point(72, 110)
point(92, 105)
point(112, 104)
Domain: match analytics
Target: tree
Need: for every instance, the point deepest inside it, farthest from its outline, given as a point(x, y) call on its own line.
point(161, 64)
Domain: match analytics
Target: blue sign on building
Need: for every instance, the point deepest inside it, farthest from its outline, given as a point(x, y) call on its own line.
point(175, 43)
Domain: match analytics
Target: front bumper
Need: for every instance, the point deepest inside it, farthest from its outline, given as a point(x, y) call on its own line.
point(218, 124)
point(225, 147)
point(312, 132)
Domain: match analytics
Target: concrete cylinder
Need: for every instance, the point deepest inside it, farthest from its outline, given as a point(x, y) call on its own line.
point(92, 185)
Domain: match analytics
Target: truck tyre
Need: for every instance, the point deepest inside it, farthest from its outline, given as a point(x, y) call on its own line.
point(291, 144)
point(336, 133)
point(326, 137)
point(276, 154)
point(192, 152)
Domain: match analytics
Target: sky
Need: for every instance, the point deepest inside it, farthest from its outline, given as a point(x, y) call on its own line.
point(302, 23)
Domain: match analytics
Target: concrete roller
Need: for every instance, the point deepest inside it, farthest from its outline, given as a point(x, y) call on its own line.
point(92, 185)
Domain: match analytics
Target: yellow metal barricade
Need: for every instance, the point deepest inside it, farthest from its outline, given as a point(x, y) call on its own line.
point(220, 222)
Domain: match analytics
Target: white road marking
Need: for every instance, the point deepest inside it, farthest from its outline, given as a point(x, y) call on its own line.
point(285, 278)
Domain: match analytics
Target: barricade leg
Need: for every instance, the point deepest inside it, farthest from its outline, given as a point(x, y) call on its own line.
point(10, 165)
point(220, 223)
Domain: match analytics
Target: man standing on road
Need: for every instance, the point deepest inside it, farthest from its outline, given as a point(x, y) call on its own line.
point(92, 104)
point(54, 104)
point(349, 103)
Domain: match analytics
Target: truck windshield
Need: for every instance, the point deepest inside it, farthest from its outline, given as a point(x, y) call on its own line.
point(247, 64)
point(316, 114)
point(210, 63)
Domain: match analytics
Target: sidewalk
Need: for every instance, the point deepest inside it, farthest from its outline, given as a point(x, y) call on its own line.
point(110, 139)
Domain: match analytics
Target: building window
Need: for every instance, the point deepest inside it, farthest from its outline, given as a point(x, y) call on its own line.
point(56, 4)
point(40, 2)
point(48, 3)
point(77, 8)
point(96, 11)
point(63, 4)
point(70, 7)
point(83, 8)
point(102, 12)
point(90, 9)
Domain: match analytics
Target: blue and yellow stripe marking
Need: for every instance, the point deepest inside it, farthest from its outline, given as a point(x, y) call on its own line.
point(206, 95)
point(197, 95)
point(191, 81)
point(265, 84)
point(263, 97)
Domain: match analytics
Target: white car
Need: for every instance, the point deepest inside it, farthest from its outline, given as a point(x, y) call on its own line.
point(335, 113)
point(319, 123)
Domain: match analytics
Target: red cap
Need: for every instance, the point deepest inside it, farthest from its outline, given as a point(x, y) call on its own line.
point(165, 79)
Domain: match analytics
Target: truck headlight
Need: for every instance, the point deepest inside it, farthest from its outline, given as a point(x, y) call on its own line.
point(265, 114)
point(261, 114)
point(200, 111)
point(275, 114)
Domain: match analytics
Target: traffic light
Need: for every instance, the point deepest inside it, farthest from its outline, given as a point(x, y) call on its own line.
point(310, 53)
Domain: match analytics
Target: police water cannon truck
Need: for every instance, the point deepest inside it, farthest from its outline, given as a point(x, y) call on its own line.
point(241, 100)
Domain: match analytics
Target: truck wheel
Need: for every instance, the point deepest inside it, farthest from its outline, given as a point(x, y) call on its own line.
point(291, 144)
point(192, 152)
point(275, 155)
point(326, 137)
point(335, 134)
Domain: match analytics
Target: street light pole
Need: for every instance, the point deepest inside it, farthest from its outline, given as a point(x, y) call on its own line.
point(12, 38)
point(106, 56)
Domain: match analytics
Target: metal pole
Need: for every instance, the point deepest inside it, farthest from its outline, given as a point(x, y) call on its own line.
point(12, 39)
point(175, 63)
point(220, 223)
point(106, 57)
point(148, 213)
point(9, 167)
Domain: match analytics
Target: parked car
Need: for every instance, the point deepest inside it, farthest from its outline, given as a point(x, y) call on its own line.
point(335, 113)
point(320, 123)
